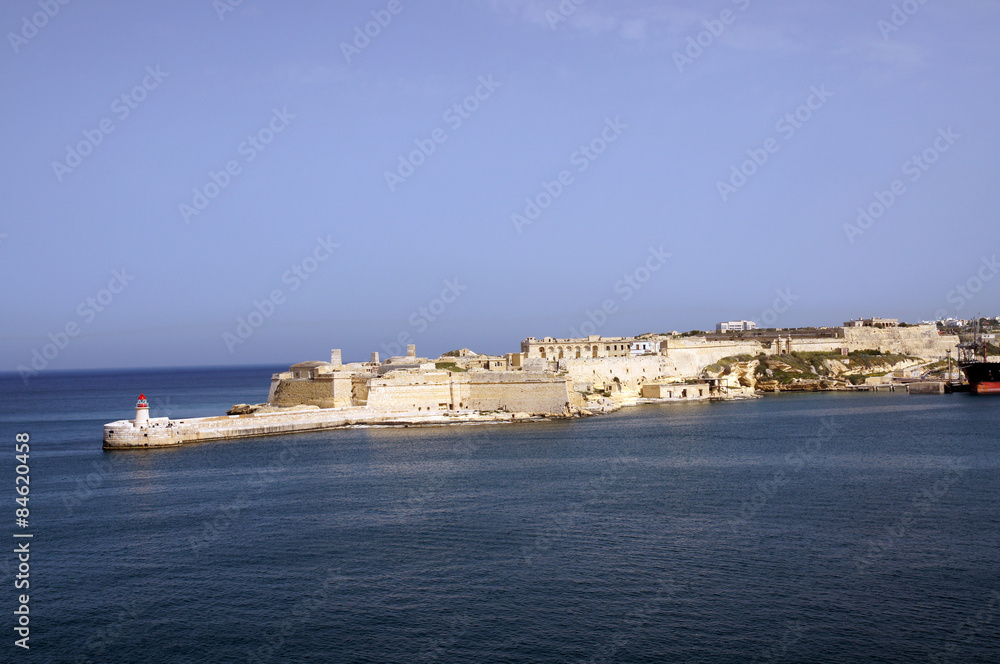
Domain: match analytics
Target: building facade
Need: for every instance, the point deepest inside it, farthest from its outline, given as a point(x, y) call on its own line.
point(593, 346)
point(873, 322)
point(736, 326)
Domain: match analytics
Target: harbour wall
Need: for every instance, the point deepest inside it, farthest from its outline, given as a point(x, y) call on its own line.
point(920, 340)
point(513, 391)
point(161, 432)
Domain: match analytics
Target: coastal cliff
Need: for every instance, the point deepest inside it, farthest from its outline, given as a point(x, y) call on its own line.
point(811, 371)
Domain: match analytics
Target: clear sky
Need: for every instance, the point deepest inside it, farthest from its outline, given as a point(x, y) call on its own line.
point(473, 172)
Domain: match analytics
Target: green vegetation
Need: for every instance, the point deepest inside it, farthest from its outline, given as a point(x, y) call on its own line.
point(692, 333)
point(874, 358)
point(786, 369)
point(448, 366)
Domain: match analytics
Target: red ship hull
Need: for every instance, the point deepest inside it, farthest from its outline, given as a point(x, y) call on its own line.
point(983, 377)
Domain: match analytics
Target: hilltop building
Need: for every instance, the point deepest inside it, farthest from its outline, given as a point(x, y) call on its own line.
point(736, 326)
point(873, 322)
point(595, 345)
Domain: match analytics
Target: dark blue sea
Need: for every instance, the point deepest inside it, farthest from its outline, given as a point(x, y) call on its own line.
point(794, 528)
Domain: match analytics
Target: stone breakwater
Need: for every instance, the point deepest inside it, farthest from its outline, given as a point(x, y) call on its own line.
point(163, 432)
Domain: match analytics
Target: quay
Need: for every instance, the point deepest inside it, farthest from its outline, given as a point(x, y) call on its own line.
point(914, 386)
point(144, 432)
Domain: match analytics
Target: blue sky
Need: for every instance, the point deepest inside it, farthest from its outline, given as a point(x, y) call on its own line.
point(471, 173)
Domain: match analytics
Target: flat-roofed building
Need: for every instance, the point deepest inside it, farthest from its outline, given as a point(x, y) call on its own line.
point(592, 346)
point(736, 326)
point(873, 322)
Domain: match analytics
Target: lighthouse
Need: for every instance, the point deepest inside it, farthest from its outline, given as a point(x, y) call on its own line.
point(141, 412)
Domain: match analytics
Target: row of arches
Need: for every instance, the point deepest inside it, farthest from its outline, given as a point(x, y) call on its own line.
point(559, 352)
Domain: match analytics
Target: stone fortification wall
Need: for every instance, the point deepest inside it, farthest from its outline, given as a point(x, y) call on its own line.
point(441, 390)
point(617, 374)
point(920, 340)
point(813, 345)
point(275, 382)
point(519, 392)
point(413, 391)
point(686, 358)
point(296, 391)
point(339, 389)
point(359, 389)
point(627, 375)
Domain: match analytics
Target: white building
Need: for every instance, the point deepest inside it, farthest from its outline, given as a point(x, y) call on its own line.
point(736, 326)
point(642, 347)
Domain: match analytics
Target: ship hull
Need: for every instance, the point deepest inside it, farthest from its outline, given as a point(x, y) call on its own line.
point(983, 377)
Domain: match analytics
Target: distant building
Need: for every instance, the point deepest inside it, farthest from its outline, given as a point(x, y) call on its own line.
point(736, 326)
point(644, 347)
point(873, 322)
point(593, 346)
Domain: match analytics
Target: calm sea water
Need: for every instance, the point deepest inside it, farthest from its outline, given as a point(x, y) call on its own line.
point(812, 528)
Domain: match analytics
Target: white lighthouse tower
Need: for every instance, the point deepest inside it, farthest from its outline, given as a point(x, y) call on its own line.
point(141, 412)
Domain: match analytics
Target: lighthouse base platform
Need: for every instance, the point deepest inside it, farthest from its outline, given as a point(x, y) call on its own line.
point(164, 432)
